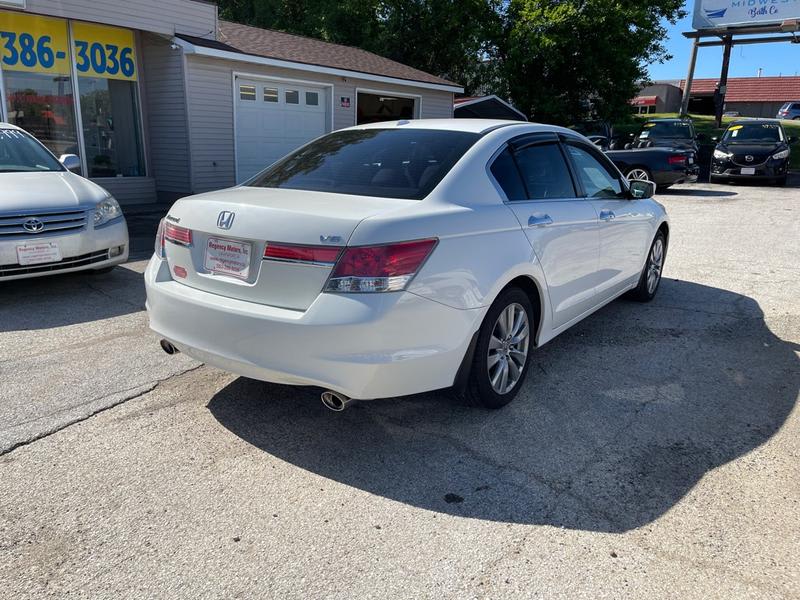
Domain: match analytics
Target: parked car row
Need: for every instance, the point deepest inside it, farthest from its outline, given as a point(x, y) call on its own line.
point(666, 151)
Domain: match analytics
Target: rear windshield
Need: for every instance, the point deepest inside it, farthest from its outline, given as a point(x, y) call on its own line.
point(753, 133)
point(389, 163)
point(19, 152)
point(671, 130)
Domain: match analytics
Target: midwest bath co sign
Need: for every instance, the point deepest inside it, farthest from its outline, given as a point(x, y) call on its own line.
point(712, 14)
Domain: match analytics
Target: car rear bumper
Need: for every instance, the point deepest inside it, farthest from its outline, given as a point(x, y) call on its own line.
point(88, 249)
point(365, 346)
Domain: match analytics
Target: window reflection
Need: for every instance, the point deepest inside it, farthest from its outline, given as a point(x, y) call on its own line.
point(44, 106)
point(111, 131)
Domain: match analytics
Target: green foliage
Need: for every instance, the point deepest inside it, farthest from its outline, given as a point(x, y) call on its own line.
point(557, 60)
point(448, 38)
point(556, 56)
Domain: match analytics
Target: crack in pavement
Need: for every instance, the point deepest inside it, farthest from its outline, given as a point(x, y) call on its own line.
point(140, 391)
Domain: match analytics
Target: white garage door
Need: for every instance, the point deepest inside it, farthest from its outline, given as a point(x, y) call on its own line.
point(273, 118)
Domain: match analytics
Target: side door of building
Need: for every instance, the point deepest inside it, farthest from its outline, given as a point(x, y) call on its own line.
point(626, 224)
point(561, 227)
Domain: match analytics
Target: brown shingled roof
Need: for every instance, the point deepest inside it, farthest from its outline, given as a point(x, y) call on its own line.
point(752, 89)
point(269, 43)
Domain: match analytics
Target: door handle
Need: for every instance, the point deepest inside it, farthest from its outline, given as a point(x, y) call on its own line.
point(607, 215)
point(539, 220)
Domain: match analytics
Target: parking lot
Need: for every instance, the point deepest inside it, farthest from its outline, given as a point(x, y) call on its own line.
point(652, 453)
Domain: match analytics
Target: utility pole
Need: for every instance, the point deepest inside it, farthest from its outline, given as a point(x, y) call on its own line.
point(687, 87)
point(719, 98)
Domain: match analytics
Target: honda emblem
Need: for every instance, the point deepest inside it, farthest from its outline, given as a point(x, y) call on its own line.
point(225, 219)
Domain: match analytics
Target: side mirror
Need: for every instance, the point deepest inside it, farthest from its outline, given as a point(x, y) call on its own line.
point(641, 189)
point(71, 162)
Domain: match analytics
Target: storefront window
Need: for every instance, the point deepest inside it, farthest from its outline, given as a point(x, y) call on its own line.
point(44, 106)
point(111, 128)
point(38, 55)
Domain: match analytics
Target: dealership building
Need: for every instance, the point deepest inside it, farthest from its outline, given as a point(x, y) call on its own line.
point(161, 98)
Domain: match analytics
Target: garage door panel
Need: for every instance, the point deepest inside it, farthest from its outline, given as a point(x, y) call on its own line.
point(268, 127)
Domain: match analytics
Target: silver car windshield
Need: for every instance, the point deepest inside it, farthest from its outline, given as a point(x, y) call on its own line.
point(19, 152)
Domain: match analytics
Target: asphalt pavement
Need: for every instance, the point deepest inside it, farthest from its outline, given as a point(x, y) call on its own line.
point(653, 452)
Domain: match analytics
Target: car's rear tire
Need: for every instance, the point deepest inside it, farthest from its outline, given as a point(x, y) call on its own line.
point(650, 279)
point(638, 174)
point(504, 345)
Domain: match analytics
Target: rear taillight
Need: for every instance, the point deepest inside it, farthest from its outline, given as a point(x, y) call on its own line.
point(324, 255)
point(677, 160)
point(177, 235)
point(159, 249)
point(386, 268)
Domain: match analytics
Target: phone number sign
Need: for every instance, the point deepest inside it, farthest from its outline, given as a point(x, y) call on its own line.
point(102, 51)
point(33, 44)
point(41, 45)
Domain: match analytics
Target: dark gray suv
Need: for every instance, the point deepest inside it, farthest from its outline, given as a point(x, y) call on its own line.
point(790, 110)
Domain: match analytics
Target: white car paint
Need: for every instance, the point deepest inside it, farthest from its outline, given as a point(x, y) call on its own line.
point(280, 326)
point(59, 199)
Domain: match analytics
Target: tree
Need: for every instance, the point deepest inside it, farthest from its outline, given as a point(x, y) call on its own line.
point(556, 57)
point(448, 38)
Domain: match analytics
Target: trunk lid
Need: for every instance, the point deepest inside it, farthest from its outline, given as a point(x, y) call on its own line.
point(260, 216)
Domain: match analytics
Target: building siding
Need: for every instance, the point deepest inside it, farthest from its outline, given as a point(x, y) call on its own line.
point(129, 190)
point(211, 124)
point(159, 16)
point(165, 102)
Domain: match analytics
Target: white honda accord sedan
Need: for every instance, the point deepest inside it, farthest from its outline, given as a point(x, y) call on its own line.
point(396, 258)
point(52, 220)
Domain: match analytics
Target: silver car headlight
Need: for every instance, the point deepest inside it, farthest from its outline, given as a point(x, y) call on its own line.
point(722, 155)
point(106, 211)
point(781, 155)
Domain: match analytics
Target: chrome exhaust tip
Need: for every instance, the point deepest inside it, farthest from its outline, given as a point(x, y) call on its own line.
point(168, 348)
point(335, 401)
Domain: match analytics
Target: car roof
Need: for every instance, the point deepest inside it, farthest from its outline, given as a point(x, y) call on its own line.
point(466, 125)
point(667, 120)
point(754, 122)
point(9, 126)
point(480, 126)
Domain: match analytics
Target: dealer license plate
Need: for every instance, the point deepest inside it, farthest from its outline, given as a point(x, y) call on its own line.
point(228, 257)
point(38, 253)
point(748, 171)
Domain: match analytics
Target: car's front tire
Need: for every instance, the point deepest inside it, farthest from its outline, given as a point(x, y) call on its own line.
point(502, 353)
point(650, 279)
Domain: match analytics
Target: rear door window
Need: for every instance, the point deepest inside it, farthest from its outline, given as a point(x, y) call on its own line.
point(544, 172)
point(390, 163)
point(505, 172)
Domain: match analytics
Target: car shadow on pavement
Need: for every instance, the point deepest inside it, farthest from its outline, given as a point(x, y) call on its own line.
point(69, 299)
point(619, 419)
point(694, 192)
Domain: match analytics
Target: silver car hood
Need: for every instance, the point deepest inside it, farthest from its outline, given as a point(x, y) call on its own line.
point(37, 191)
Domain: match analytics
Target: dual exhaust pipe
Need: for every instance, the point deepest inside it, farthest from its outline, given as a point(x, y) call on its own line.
point(335, 401)
point(332, 400)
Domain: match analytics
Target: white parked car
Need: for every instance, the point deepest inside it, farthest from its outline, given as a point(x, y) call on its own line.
point(52, 220)
point(396, 258)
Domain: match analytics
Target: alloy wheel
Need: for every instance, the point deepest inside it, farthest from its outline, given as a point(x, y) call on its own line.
point(638, 175)
point(508, 348)
point(654, 265)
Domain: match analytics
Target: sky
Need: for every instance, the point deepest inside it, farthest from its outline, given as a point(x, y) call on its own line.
point(775, 59)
